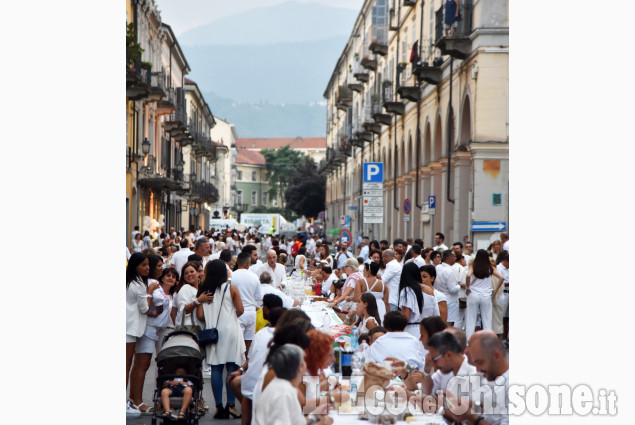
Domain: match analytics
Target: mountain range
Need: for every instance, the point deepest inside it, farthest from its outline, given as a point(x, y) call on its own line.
point(265, 70)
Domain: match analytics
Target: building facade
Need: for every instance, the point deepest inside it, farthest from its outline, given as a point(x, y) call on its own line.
point(252, 186)
point(314, 147)
point(432, 107)
point(225, 133)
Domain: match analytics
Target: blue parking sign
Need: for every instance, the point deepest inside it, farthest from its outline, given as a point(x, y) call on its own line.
point(373, 172)
point(432, 201)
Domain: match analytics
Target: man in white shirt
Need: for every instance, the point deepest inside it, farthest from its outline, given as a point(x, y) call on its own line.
point(134, 232)
point(203, 248)
point(505, 240)
point(275, 269)
point(267, 288)
point(457, 247)
point(416, 256)
point(251, 294)
point(179, 258)
point(453, 370)
point(438, 242)
point(460, 273)
point(342, 255)
point(448, 283)
point(397, 343)
point(328, 277)
point(503, 267)
point(363, 249)
point(255, 263)
point(391, 277)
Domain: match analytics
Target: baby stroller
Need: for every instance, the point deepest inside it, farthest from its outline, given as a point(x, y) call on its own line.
point(180, 350)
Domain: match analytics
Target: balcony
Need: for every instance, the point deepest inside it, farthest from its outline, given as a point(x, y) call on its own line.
point(368, 123)
point(457, 44)
point(409, 3)
point(367, 62)
point(379, 39)
point(157, 86)
point(377, 112)
point(150, 178)
point(404, 90)
point(359, 73)
point(202, 191)
point(390, 105)
point(344, 98)
point(137, 82)
point(429, 74)
point(167, 104)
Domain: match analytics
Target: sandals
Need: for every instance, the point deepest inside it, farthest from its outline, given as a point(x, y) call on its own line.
point(180, 415)
point(146, 411)
point(231, 410)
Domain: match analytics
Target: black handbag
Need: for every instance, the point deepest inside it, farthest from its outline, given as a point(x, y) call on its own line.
point(210, 336)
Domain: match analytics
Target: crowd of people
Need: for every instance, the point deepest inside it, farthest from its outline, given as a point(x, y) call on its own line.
point(399, 295)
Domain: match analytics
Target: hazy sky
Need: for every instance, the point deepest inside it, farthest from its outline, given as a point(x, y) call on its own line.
point(183, 15)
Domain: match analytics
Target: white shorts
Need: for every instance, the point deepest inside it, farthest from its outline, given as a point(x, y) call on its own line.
point(130, 338)
point(503, 300)
point(453, 311)
point(247, 322)
point(144, 345)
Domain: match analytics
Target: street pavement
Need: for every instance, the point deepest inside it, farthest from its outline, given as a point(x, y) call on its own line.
point(148, 392)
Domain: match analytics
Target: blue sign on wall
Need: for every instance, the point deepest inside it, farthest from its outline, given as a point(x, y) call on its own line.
point(432, 201)
point(373, 172)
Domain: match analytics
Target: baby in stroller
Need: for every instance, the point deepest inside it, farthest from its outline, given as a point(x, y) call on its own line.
point(176, 387)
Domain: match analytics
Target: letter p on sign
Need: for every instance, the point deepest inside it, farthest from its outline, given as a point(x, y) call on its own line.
point(373, 172)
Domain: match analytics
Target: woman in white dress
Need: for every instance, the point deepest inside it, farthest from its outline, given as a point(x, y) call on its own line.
point(147, 240)
point(428, 276)
point(222, 313)
point(137, 243)
point(300, 260)
point(415, 304)
point(325, 255)
point(367, 313)
point(372, 284)
point(479, 292)
point(138, 302)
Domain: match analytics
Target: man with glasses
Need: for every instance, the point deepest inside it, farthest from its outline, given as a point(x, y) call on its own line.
point(452, 367)
point(438, 242)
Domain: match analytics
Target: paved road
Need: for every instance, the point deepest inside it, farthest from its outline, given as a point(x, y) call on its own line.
point(148, 392)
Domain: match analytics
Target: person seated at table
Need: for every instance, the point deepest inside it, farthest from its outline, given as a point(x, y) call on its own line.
point(397, 343)
point(375, 333)
point(278, 403)
point(345, 301)
point(364, 337)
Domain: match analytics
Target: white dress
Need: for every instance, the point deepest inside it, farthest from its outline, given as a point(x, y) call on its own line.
point(407, 298)
point(297, 263)
point(231, 346)
point(379, 296)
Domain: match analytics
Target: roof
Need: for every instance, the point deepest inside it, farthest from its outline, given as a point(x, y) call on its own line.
point(249, 157)
point(278, 142)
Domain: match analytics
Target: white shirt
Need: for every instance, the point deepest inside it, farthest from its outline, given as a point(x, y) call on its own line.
point(249, 287)
point(287, 301)
point(278, 405)
point(441, 380)
point(418, 260)
point(400, 345)
point(278, 276)
point(505, 272)
point(326, 285)
point(442, 246)
point(257, 355)
point(459, 272)
point(179, 258)
point(506, 246)
point(342, 258)
point(500, 391)
point(446, 282)
point(391, 277)
point(255, 268)
point(407, 298)
point(363, 252)
point(136, 308)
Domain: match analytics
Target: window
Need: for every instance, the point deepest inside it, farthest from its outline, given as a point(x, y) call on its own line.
point(253, 176)
point(264, 198)
point(240, 197)
point(240, 175)
point(254, 197)
point(274, 202)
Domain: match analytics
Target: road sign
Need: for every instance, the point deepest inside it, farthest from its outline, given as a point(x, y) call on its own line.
point(373, 220)
point(352, 207)
point(372, 186)
point(373, 172)
point(373, 210)
point(432, 204)
point(377, 193)
point(373, 201)
point(321, 215)
point(488, 226)
point(312, 229)
point(346, 236)
point(406, 206)
point(406, 217)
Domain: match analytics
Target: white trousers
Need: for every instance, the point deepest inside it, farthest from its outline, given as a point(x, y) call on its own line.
point(477, 303)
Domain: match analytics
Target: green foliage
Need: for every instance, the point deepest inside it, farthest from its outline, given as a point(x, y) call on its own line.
point(306, 194)
point(133, 49)
point(279, 164)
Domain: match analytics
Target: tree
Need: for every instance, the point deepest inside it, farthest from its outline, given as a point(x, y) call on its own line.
point(307, 190)
point(279, 164)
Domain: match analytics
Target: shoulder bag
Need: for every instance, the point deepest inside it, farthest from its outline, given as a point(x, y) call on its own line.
point(210, 336)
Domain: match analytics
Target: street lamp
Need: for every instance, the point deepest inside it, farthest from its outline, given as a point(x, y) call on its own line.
point(145, 146)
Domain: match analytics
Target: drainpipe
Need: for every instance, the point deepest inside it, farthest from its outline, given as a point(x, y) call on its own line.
point(395, 206)
point(450, 136)
point(420, 206)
